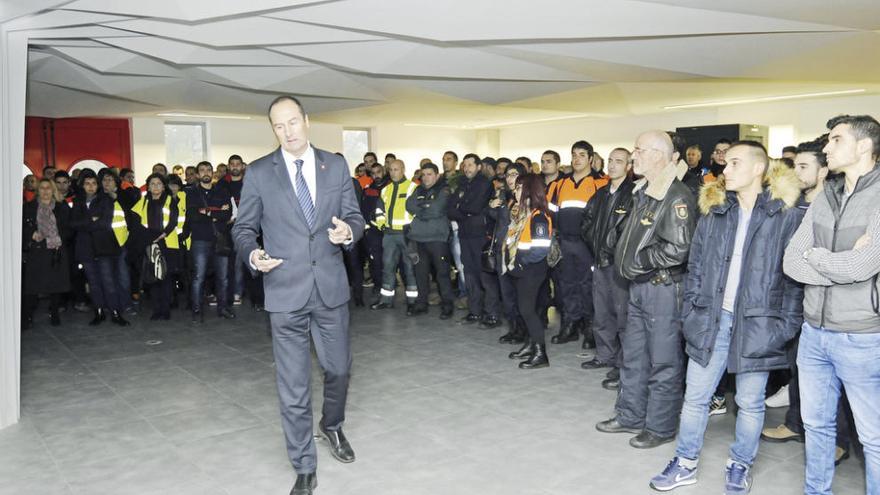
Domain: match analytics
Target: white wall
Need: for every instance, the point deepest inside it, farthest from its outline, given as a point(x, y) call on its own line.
point(411, 144)
point(806, 118)
point(249, 138)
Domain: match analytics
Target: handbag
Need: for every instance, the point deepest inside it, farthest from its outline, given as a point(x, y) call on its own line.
point(488, 257)
point(154, 268)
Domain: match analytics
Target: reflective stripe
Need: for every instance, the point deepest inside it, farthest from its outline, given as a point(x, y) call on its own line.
point(386, 292)
point(541, 242)
point(412, 293)
point(552, 207)
point(523, 246)
point(573, 203)
point(166, 211)
point(116, 225)
point(401, 221)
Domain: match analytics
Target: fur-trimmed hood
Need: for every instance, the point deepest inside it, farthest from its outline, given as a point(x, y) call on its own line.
point(780, 181)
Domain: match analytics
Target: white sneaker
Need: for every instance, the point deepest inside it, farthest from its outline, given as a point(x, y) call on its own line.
point(779, 399)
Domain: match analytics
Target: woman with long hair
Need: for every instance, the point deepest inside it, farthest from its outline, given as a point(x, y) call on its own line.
point(157, 214)
point(524, 256)
point(46, 232)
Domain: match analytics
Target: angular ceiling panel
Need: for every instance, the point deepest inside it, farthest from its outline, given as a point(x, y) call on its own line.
point(541, 60)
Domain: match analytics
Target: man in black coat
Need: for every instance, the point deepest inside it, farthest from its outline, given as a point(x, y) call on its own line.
point(466, 207)
point(603, 223)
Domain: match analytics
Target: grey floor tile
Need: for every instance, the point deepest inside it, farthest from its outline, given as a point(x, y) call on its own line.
point(204, 421)
point(110, 441)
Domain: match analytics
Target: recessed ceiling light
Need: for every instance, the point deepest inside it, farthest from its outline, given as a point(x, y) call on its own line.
point(191, 115)
point(722, 103)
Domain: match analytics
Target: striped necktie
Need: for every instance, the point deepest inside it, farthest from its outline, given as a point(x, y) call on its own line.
point(302, 194)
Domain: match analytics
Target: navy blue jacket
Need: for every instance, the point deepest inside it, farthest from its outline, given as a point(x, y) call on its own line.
point(467, 203)
point(199, 225)
point(769, 306)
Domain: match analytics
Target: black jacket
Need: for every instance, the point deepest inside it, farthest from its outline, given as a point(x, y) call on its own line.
point(93, 226)
point(201, 226)
point(657, 235)
point(46, 271)
point(428, 208)
point(501, 218)
point(604, 219)
point(769, 306)
point(466, 205)
point(693, 178)
point(371, 201)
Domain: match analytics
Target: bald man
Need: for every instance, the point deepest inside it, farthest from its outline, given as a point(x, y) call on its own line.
point(652, 254)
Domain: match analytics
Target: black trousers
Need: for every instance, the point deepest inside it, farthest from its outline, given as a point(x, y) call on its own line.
point(576, 279)
point(354, 267)
point(434, 256)
point(610, 300)
point(372, 243)
point(160, 294)
point(482, 287)
point(528, 283)
point(509, 301)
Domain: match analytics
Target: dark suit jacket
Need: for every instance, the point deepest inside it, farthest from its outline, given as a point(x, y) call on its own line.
point(269, 204)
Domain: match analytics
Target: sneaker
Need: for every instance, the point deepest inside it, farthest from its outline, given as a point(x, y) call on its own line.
point(737, 479)
point(236, 300)
point(212, 300)
point(675, 475)
point(718, 405)
point(779, 399)
point(781, 434)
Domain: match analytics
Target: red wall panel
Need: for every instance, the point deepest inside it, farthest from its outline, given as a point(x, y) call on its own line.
point(64, 142)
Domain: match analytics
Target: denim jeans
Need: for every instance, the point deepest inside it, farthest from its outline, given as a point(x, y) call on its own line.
point(701, 384)
point(102, 276)
point(826, 360)
point(203, 253)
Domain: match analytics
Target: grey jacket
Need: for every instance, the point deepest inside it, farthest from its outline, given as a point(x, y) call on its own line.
point(269, 205)
point(821, 254)
point(428, 208)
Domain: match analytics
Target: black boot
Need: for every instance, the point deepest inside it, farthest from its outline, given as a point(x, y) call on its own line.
point(119, 320)
point(524, 352)
point(568, 332)
point(537, 360)
point(358, 296)
point(100, 316)
point(585, 327)
point(508, 337)
point(54, 319)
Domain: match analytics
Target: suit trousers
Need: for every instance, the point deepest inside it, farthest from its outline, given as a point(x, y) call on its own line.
point(434, 255)
point(610, 299)
point(483, 294)
point(576, 279)
point(291, 331)
point(653, 366)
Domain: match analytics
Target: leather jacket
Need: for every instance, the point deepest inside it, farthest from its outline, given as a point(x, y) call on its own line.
point(604, 219)
point(657, 236)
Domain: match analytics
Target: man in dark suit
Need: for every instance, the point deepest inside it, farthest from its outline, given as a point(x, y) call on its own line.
point(302, 200)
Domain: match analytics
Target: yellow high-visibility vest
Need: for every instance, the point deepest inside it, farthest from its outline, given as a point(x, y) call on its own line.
point(141, 208)
point(120, 229)
point(399, 216)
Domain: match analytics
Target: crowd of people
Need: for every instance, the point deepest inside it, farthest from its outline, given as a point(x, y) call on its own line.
point(680, 277)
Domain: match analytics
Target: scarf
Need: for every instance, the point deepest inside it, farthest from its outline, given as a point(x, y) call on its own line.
point(518, 217)
point(47, 226)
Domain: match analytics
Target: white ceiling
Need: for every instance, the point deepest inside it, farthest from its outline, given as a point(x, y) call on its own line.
point(469, 61)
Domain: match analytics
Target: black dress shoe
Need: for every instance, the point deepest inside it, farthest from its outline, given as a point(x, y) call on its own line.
point(594, 364)
point(611, 384)
point(524, 352)
point(648, 440)
point(305, 484)
point(226, 313)
point(613, 426)
point(100, 316)
point(446, 313)
point(339, 446)
point(490, 322)
point(613, 373)
point(508, 337)
point(119, 320)
point(567, 333)
point(537, 360)
point(470, 319)
point(381, 305)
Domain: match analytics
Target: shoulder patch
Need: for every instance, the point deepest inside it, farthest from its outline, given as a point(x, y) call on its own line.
point(681, 211)
point(540, 230)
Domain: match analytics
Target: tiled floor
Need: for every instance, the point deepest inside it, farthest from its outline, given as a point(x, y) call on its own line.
point(435, 408)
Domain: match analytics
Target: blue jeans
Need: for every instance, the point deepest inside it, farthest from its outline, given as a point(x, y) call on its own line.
point(701, 384)
point(202, 253)
point(102, 275)
point(826, 360)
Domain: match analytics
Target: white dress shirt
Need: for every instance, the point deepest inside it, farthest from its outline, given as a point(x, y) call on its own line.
point(308, 170)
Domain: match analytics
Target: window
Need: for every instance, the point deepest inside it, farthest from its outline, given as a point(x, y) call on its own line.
point(355, 142)
point(185, 143)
